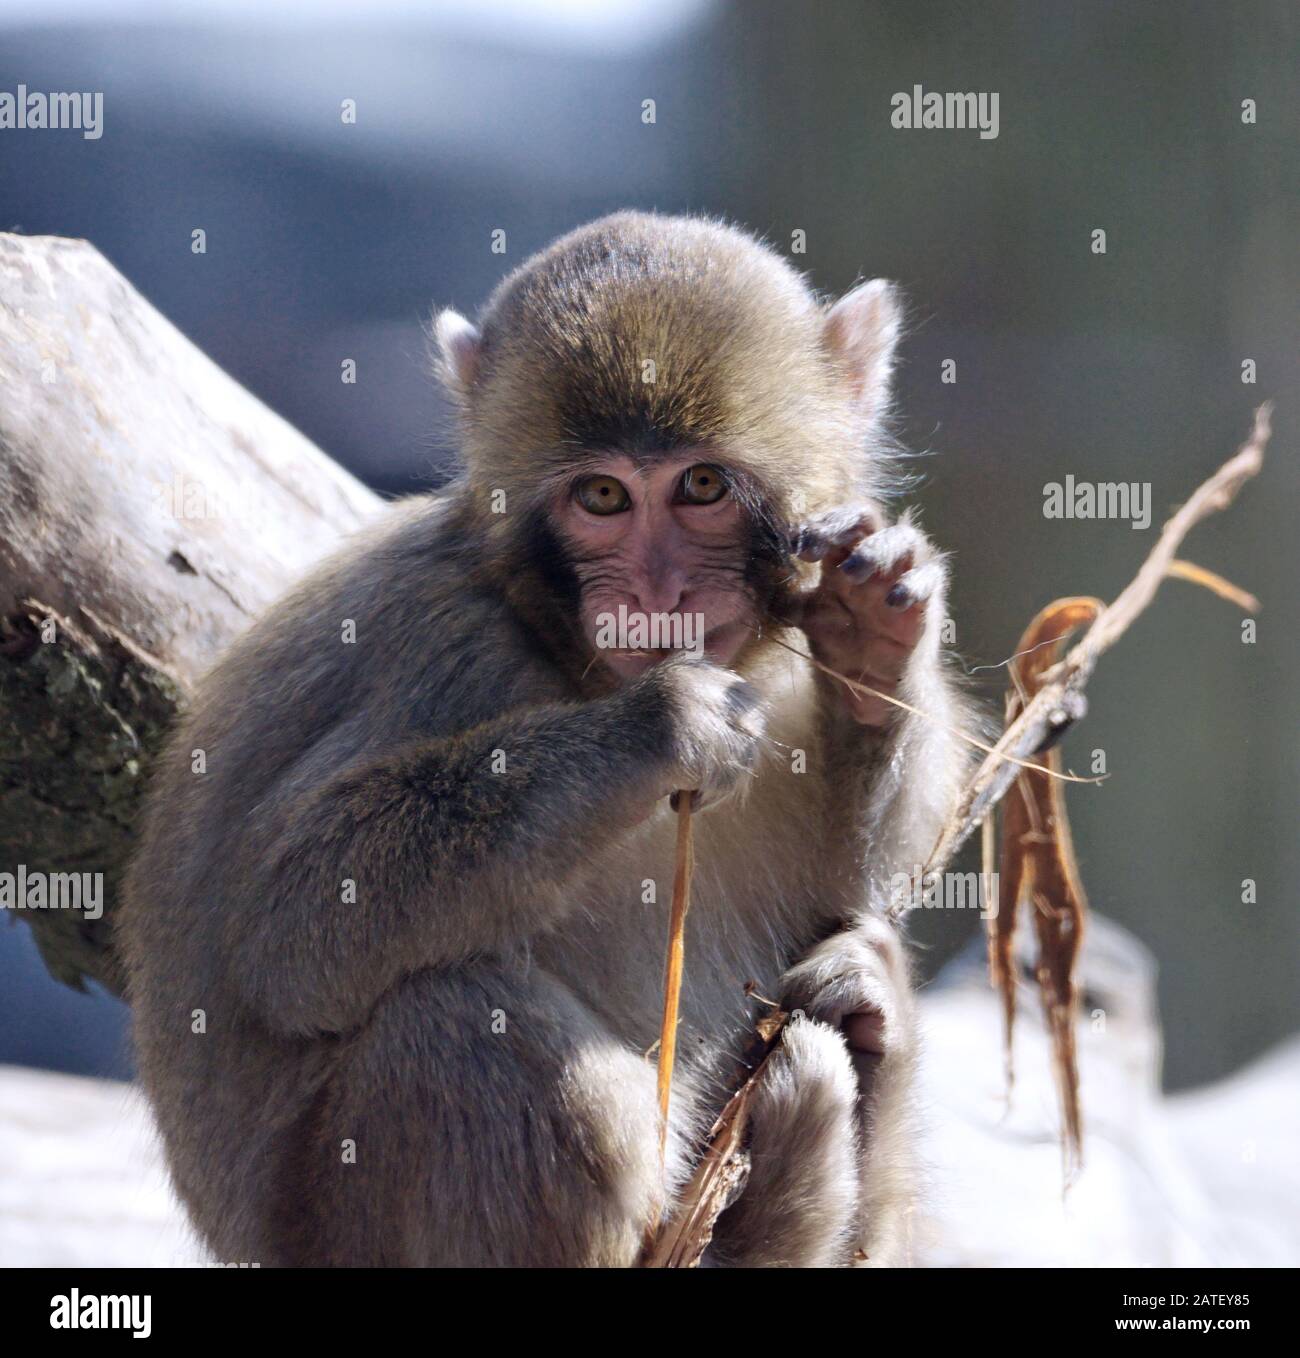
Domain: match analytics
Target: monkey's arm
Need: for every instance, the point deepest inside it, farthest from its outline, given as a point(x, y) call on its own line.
point(896, 774)
point(464, 846)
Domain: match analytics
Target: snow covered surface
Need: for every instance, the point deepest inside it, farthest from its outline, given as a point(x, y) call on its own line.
point(1210, 1177)
point(81, 1176)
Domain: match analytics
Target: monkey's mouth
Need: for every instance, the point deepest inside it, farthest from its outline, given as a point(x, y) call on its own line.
point(719, 645)
point(628, 663)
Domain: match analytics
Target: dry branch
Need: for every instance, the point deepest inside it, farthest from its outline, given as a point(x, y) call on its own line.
point(674, 965)
point(1038, 871)
point(1060, 701)
point(1056, 705)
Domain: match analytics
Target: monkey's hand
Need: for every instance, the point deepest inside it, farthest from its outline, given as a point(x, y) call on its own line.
point(714, 723)
point(877, 609)
point(856, 981)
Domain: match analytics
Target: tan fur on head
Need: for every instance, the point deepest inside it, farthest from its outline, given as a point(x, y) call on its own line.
point(641, 333)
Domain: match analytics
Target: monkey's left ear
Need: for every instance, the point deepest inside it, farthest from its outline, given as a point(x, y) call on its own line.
point(459, 349)
point(862, 331)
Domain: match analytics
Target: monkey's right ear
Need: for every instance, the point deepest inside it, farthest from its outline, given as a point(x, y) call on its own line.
point(862, 330)
point(459, 350)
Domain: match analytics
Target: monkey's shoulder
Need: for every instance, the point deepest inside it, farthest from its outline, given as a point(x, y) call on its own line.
point(397, 632)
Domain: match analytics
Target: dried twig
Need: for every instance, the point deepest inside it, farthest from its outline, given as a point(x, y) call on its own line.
point(1058, 702)
point(683, 869)
point(681, 1242)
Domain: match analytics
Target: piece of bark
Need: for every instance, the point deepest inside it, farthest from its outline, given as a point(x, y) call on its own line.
point(150, 508)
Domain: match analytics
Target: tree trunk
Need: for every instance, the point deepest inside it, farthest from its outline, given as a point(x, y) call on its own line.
point(150, 508)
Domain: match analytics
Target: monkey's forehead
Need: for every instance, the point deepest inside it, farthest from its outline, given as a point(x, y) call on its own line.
point(647, 339)
point(547, 409)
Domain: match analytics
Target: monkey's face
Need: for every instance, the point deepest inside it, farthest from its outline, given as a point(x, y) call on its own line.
point(662, 553)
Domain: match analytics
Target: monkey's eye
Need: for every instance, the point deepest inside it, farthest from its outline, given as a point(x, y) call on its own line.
point(702, 484)
point(602, 495)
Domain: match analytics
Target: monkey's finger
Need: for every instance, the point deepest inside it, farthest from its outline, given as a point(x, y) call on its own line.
point(838, 527)
point(893, 548)
point(813, 544)
point(887, 550)
point(917, 586)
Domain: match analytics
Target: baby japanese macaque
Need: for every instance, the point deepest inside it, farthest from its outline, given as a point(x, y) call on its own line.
point(396, 956)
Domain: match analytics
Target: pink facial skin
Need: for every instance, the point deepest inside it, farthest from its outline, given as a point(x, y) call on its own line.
point(660, 555)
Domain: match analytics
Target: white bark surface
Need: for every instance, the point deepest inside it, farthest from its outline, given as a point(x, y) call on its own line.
point(150, 508)
point(137, 479)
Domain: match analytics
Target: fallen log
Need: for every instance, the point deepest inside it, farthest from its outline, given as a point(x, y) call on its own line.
point(150, 507)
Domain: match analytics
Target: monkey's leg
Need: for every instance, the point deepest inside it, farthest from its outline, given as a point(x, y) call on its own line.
point(800, 1205)
point(483, 1117)
point(857, 983)
point(889, 1169)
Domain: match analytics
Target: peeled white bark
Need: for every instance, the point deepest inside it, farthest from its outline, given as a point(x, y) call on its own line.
point(108, 411)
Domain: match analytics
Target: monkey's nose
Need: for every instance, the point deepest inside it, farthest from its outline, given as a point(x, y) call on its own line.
point(660, 597)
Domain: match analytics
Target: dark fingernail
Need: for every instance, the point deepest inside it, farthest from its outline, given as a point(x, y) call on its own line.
point(858, 566)
point(899, 597)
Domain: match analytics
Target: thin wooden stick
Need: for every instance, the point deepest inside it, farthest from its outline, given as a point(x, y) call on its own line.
point(1216, 584)
point(682, 1241)
point(683, 868)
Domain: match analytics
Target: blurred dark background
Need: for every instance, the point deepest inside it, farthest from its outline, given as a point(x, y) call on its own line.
point(328, 241)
